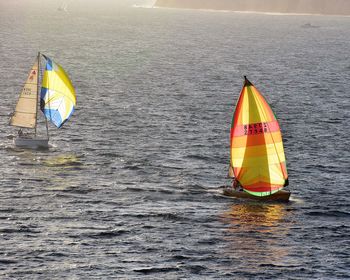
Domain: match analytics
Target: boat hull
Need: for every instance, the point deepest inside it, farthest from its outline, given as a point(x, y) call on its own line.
point(31, 143)
point(280, 196)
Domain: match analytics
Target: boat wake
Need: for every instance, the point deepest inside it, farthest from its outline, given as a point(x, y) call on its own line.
point(297, 200)
point(144, 6)
point(147, 5)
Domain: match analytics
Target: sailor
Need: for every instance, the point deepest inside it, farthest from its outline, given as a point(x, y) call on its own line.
point(286, 183)
point(236, 185)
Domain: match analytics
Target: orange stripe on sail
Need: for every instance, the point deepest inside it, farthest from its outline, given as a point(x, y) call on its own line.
point(237, 171)
point(256, 140)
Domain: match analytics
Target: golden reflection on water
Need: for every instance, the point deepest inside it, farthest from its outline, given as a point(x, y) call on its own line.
point(257, 234)
point(63, 171)
point(56, 172)
point(258, 216)
point(62, 160)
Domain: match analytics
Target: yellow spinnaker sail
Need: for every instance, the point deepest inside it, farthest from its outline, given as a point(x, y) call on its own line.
point(257, 154)
point(57, 94)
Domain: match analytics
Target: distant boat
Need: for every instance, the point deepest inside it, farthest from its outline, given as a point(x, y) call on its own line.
point(257, 160)
point(57, 102)
point(309, 25)
point(63, 7)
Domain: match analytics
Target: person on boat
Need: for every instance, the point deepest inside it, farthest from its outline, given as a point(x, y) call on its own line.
point(286, 183)
point(236, 185)
point(20, 132)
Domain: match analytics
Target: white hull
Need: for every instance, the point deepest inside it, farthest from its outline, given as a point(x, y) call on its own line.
point(31, 143)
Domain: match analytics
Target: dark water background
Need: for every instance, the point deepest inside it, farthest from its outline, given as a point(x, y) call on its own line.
point(129, 189)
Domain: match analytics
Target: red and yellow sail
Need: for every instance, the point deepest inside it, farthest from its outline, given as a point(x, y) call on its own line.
point(257, 155)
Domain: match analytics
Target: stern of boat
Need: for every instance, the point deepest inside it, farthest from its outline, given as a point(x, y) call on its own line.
point(31, 143)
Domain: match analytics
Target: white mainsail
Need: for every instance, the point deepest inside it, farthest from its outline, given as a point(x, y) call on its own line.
point(25, 114)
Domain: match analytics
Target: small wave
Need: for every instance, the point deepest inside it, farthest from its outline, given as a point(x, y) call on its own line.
point(196, 269)
point(9, 210)
point(74, 190)
point(101, 234)
point(165, 216)
point(149, 270)
point(338, 214)
point(5, 261)
point(108, 155)
point(170, 216)
point(110, 233)
point(181, 257)
point(134, 189)
point(27, 164)
point(333, 121)
point(199, 157)
point(23, 229)
point(132, 167)
point(56, 254)
point(209, 241)
point(328, 168)
point(277, 265)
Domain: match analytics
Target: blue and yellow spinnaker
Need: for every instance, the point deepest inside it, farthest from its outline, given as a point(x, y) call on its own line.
point(57, 98)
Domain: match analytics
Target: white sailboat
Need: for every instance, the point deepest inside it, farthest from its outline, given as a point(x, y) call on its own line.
point(63, 7)
point(57, 101)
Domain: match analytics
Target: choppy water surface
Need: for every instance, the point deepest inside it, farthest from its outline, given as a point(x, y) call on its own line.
point(129, 189)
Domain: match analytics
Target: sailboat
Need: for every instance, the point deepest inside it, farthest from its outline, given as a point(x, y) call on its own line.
point(257, 159)
point(63, 7)
point(57, 102)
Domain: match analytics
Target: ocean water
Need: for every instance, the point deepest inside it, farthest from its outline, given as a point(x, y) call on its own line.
point(130, 188)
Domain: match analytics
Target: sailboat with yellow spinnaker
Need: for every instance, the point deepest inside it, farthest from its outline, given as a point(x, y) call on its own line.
point(52, 93)
point(257, 159)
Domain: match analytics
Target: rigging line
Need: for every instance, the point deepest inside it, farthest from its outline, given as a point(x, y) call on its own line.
point(56, 110)
point(53, 81)
point(61, 93)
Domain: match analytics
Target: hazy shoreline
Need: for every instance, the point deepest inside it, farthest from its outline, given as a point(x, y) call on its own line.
point(243, 12)
point(301, 7)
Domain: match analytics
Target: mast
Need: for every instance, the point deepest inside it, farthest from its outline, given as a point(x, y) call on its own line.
point(46, 122)
point(37, 93)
